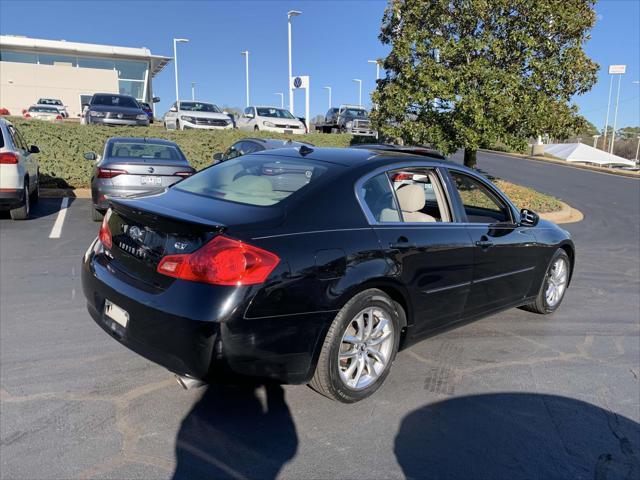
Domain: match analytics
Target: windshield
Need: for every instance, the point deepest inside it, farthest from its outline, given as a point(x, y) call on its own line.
point(115, 101)
point(274, 113)
point(49, 101)
point(144, 151)
point(199, 107)
point(355, 112)
point(44, 110)
point(253, 179)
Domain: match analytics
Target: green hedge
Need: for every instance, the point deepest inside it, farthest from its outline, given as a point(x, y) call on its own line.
point(62, 145)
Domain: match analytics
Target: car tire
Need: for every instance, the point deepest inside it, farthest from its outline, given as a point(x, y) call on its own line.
point(22, 212)
point(178, 125)
point(554, 284)
point(35, 195)
point(364, 335)
point(96, 215)
point(256, 129)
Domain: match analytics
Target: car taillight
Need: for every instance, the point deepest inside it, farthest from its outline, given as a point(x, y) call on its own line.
point(110, 172)
point(8, 158)
point(105, 231)
point(222, 261)
point(183, 174)
point(26, 115)
point(58, 117)
point(398, 177)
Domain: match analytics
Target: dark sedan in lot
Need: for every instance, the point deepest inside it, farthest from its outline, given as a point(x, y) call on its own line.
point(315, 265)
point(131, 165)
point(113, 109)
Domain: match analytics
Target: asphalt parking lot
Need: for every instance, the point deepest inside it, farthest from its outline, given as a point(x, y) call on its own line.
point(512, 396)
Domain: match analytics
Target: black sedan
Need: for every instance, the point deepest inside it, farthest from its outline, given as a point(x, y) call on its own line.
point(252, 145)
point(315, 265)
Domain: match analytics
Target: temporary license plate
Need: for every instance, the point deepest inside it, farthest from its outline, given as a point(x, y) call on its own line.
point(115, 313)
point(150, 180)
point(288, 131)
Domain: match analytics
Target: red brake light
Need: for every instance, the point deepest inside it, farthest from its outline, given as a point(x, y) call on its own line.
point(109, 172)
point(58, 117)
point(398, 177)
point(26, 115)
point(105, 231)
point(8, 158)
point(222, 261)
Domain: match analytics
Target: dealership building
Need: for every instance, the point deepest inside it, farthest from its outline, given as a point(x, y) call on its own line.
point(32, 68)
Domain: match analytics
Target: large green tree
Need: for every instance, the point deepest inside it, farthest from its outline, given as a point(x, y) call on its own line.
point(469, 73)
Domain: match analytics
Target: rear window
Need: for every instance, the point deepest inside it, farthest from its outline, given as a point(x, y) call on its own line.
point(254, 180)
point(114, 101)
point(144, 151)
point(43, 109)
point(199, 107)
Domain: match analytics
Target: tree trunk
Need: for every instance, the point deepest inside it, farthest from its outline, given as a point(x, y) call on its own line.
point(470, 158)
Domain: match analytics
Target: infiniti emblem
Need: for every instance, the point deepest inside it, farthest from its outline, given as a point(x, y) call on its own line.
point(135, 233)
point(151, 170)
point(119, 115)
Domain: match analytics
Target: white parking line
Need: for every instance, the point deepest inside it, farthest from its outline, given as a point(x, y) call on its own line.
point(57, 227)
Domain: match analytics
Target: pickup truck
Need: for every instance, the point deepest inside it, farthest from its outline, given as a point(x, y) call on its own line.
point(351, 119)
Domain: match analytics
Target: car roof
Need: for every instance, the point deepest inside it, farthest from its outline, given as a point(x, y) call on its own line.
point(153, 141)
point(271, 143)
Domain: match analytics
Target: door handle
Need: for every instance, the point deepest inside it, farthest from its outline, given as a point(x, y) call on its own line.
point(402, 243)
point(484, 243)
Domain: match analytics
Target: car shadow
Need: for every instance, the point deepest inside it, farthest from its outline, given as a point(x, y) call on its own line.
point(44, 208)
point(517, 435)
point(240, 431)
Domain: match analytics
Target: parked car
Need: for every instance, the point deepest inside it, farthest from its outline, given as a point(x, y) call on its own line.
point(183, 115)
point(115, 109)
point(352, 119)
point(307, 266)
point(131, 166)
point(54, 102)
point(146, 108)
point(270, 119)
point(4, 112)
point(252, 145)
point(19, 174)
point(40, 112)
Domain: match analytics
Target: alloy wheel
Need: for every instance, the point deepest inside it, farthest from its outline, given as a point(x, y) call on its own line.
point(557, 278)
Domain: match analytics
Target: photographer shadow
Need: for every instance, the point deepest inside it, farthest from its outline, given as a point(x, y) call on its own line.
point(241, 431)
point(517, 436)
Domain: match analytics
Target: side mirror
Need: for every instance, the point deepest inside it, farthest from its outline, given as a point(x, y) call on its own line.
point(34, 149)
point(218, 157)
point(173, 109)
point(90, 156)
point(249, 115)
point(155, 99)
point(528, 218)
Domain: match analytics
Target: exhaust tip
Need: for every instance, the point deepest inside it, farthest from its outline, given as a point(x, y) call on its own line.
point(189, 383)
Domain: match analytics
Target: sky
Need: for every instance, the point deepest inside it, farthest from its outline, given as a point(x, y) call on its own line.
point(332, 41)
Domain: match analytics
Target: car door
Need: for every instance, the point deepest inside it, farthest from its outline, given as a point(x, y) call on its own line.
point(504, 252)
point(30, 160)
point(24, 158)
point(429, 254)
point(171, 116)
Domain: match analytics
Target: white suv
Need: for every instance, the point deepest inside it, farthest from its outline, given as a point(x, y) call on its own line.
point(270, 119)
point(19, 179)
point(201, 115)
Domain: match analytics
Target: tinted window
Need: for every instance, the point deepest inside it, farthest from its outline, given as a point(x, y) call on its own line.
point(44, 109)
point(355, 112)
point(199, 107)
point(100, 63)
point(274, 113)
point(18, 57)
point(45, 59)
point(379, 200)
point(254, 180)
point(143, 151)
point(17, 140)
point(49, 101)
point(114, 101)
point(480, 204)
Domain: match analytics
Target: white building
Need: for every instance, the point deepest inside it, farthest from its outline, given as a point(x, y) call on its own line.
point(32, 68)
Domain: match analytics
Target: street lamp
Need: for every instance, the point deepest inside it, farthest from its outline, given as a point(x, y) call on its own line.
point(329, 88)
point(290, 13)
point(175, 62)
point(377, 68)
point(359, 82)
point(193, 91)
point(246, 65)
point(281, 98)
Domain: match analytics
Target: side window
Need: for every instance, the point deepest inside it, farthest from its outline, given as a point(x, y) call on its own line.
point(15, 138)
point(480, 204)
point(251, 147)
point(420, 195)
point(234, 151)
point(379, 200)
point(23, 142)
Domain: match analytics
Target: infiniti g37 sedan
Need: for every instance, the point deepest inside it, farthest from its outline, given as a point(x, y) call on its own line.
point(315, 265)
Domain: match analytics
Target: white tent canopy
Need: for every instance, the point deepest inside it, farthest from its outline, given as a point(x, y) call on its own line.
point(579, 152)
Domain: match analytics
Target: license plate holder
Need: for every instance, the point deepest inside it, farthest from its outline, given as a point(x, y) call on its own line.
point(150, 180)
point(116, 313)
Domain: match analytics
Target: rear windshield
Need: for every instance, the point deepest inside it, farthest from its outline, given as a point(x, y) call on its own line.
point(274, 113)
point(49, 101)
point(43, 109)
point(199, 107)
point(144, 151)
point(114, 101)
point(254, 179)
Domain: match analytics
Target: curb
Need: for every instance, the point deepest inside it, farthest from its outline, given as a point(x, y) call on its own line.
point(567, 214)
point(610, 171)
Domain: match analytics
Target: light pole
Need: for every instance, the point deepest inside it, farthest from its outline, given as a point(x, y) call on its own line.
point(329, 88)
point(175, 62)
point(606, 122)
point(193, 91)
point(246, 72)
point(359, 82)
point(377, 68)
point(615, 117)
point(290, 14)
point(281, 99)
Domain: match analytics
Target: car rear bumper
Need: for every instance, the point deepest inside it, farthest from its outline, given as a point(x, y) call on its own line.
point(189, 125)
point(193, 329)
point(11, 198)
point(115, 121)
point(361, 132)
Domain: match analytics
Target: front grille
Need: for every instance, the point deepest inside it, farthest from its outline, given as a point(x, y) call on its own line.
point(292, 127)
point(121, 116)
point(216, 122)
point(362, 124)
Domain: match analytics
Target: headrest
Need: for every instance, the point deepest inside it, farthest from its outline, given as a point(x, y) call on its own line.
point(411, 198)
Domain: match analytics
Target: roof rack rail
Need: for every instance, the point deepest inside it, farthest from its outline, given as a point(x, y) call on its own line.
point(423, 150)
